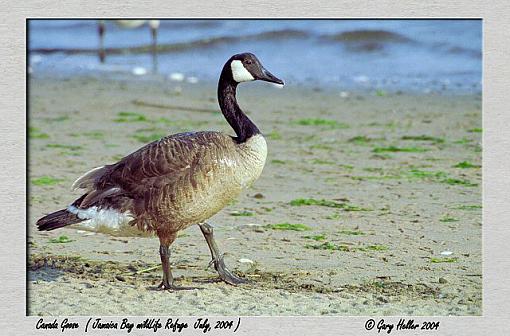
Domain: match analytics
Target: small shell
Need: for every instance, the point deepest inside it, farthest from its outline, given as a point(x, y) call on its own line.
point(244, 260)
point(139, 71)
point(446, 253)
point(176, 76)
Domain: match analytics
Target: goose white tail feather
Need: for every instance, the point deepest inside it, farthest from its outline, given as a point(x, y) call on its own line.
point(96, 216)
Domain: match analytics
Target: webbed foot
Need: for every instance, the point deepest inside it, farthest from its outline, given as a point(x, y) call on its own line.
point(225, 274)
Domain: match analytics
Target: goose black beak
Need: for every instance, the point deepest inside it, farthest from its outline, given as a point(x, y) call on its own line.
point(269, 77)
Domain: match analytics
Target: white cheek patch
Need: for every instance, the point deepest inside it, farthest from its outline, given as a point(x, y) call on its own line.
point(239, 72)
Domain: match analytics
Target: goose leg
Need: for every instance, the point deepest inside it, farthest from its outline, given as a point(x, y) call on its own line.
point(217, 258)
point(101, 28)
point(168, 279)
point(154, 34)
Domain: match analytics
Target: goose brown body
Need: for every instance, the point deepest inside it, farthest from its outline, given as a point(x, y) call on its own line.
point(180, 180)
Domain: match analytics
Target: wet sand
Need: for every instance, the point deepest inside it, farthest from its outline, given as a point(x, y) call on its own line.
point(383, 184)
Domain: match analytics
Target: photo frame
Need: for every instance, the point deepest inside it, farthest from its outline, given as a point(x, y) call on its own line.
point(495, 306)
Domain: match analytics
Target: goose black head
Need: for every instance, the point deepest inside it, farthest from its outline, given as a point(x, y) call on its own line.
point(246, 67)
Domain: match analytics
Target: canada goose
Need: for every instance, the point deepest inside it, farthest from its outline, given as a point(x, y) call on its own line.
point(130, 24)
point(180, 180)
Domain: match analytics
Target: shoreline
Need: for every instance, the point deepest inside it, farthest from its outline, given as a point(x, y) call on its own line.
point(371, 177)
point(327, 88)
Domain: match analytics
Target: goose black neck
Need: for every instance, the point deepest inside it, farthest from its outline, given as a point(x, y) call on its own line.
point(241, 124)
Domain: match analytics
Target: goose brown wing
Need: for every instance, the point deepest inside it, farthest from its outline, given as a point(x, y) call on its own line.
point(161, 163)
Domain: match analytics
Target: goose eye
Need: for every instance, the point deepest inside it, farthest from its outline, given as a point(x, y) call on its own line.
point(247, 62)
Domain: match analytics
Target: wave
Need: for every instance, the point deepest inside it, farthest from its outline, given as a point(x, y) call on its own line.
point(280, 34)
point(184, 46)
point(355, 41)
point(367, 40)
point(369, 36)
point(456, 50)
point(465, 51)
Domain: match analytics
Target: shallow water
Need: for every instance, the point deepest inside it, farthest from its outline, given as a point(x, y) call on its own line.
point(408, 55)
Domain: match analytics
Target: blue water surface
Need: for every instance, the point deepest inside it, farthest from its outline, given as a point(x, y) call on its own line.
point(407, 55)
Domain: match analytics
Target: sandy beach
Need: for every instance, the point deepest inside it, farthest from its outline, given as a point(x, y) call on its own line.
point(369, 203)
